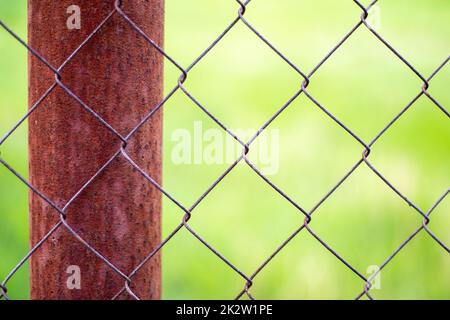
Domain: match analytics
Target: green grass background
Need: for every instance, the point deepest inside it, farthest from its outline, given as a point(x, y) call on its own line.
point(243, 83)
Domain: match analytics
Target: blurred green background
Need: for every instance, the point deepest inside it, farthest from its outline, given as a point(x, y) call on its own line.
point(243, 83)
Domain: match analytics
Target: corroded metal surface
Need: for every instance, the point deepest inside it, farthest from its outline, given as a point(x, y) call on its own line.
point(118, 75)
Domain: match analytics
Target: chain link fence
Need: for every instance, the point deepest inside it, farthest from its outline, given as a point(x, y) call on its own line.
point(248, 279)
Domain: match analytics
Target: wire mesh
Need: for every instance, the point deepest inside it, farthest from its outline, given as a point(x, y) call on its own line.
point(248, 279)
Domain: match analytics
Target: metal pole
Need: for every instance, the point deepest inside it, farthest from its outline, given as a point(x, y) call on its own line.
point(118, 75)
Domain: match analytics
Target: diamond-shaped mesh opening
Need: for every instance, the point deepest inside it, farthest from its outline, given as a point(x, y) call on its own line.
point(364, 108)
point(246, 204)
point(326, 22)
point(378, 222)
point(406, 277)
point(253, 71)
point(421, 47)
point(212, 279)
point(410, 153)
point(294, 152)
point(304, 270)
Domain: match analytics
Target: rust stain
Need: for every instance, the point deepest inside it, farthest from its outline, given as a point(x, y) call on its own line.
point(119, 75)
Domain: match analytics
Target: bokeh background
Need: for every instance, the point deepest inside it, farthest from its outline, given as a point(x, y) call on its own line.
point(243, 83)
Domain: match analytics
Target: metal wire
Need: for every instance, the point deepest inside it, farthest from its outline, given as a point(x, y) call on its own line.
point(242, 7)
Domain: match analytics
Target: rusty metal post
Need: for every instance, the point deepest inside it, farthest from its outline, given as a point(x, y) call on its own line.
point(118, 74)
